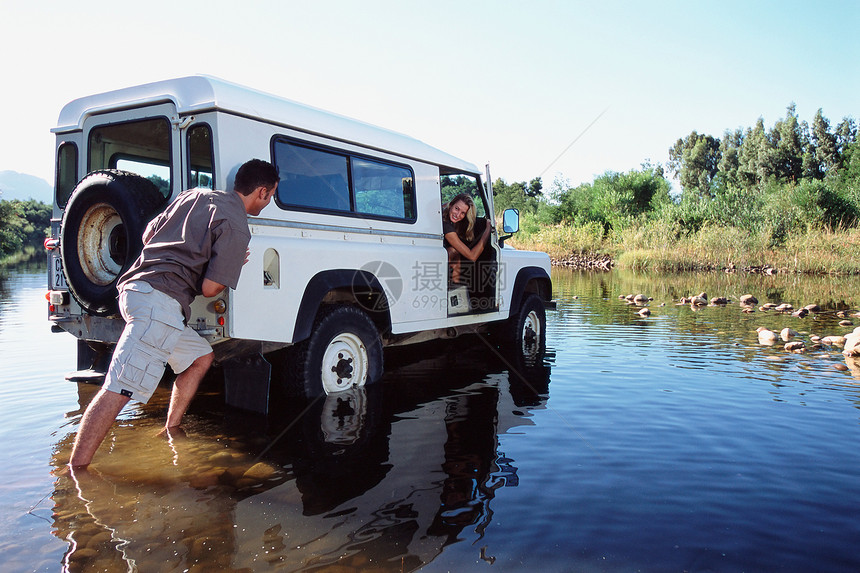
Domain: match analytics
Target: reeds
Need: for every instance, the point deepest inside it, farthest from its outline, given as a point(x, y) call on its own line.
point(661, 246)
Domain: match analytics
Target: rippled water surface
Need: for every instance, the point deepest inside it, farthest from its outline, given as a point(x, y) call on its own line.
point(674, 442)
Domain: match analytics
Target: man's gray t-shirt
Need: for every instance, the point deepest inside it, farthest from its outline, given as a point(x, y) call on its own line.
point(202, 234)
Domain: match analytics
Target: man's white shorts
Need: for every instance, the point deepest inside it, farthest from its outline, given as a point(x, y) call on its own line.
point(154, 335)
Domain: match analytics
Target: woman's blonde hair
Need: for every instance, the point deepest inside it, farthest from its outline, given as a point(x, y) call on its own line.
point(466, 227)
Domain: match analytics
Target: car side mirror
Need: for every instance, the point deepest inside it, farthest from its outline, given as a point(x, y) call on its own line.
point(511, 221)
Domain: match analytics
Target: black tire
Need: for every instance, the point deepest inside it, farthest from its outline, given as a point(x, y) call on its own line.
point(524, 333)
point(343, 351)
point(102, 234)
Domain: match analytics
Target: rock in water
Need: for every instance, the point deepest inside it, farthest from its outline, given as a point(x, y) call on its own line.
point(787, 334)
point(259, 471)
point(852, 343)
point(748, 299)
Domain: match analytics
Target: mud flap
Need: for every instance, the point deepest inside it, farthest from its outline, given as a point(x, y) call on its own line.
point(246, 383)
point(93, 361)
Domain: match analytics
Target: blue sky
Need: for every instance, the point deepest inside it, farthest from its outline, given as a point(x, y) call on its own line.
point(509, 83)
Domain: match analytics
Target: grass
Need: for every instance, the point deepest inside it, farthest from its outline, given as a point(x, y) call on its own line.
point(27, 254)
point(659, 246)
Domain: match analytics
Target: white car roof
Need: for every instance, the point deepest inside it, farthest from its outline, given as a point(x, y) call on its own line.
point(196, 94)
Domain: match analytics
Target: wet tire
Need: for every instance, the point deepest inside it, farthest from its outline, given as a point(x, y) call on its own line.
point(343, 351)
point(102, 234)
point(524, 333)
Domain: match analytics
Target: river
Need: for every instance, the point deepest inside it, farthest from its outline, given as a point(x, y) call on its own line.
point(672, 442)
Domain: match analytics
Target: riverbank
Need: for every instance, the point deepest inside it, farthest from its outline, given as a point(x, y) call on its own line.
point(27, 254)
point(726, 249)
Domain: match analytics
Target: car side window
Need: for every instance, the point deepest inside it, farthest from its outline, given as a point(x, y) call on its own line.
point(317, 178)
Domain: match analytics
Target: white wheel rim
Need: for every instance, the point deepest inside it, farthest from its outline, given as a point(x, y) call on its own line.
point(343, 417)
point(531, 333)
point(344, 363)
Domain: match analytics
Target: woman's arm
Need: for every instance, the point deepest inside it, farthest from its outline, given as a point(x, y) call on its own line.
point(464, 251)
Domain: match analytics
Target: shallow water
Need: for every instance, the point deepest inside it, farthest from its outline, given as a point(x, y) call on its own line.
point(667, 443)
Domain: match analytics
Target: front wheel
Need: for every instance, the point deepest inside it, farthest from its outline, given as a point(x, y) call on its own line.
point(343, 351)
point(524, 333)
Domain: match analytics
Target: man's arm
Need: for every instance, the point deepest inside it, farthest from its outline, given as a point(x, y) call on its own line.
point(211, 288)
point(150, 228)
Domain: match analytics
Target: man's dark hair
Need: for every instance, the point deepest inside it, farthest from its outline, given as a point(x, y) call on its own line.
point(255, 173)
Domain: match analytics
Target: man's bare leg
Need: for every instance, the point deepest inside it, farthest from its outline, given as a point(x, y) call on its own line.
point(184, 389)
point(97, 420)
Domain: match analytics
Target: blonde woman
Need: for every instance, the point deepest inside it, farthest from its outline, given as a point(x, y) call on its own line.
point(458, 229)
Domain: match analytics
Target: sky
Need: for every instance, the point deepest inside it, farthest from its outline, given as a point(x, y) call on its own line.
point(563, 90)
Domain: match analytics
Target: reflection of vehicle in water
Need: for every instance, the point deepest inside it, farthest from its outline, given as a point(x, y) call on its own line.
point(360, 480)
point(442, 469)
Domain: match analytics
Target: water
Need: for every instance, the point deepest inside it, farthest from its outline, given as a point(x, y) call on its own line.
point(669, 443)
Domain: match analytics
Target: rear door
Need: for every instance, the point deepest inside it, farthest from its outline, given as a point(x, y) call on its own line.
point(141, 140)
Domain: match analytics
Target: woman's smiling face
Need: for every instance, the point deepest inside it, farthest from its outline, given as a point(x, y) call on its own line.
point(457, 211)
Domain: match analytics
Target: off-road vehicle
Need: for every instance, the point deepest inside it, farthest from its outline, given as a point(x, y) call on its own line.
point(346, 260)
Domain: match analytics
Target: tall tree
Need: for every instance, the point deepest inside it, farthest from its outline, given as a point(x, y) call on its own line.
point(787, 139)
point(695, 161)
point(755, 160)
point(825, 145)
point(846, 133)
point(730, 148)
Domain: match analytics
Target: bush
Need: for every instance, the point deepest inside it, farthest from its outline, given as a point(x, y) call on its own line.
point(22, 223)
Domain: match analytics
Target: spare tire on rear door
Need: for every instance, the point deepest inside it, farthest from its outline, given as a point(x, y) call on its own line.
point(102, 234)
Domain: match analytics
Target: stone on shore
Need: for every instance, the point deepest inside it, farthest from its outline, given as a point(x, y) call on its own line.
point(587, 261)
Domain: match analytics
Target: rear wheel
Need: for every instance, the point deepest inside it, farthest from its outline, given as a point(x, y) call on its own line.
point(343, 351)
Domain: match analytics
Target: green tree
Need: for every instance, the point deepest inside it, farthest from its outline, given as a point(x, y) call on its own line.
point(36, 223)
point(846, 133)
point(11, 239)
point(614, 199)
point(22, 223)
point(755, 158)
point(729, 165)
point(695, 161)
point(521, 196)
point(787, 144)
point(825, 148)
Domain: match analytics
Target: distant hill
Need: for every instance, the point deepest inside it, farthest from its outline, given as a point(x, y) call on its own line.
point(21, 186)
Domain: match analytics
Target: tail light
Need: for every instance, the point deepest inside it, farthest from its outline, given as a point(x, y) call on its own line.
point(56, 298)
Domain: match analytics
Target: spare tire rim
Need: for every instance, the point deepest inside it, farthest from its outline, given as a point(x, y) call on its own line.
point(344, 363)
point(102, 244)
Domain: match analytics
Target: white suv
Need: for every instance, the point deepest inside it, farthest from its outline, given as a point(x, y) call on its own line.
point(347, 259)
